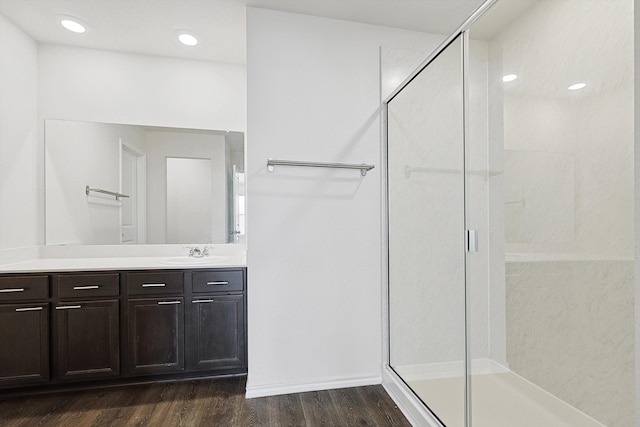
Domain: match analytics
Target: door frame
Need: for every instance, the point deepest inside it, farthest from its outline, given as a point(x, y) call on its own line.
point(141, 190)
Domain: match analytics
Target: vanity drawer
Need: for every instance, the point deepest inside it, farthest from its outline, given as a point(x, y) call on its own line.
point(148, 283)
point(87, 285)
point(22, 288)
point(217, 281)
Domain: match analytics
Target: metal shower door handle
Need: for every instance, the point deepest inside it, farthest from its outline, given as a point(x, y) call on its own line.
point(472, 241)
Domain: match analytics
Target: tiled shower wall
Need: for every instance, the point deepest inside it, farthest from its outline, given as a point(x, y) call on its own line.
point(570, 330)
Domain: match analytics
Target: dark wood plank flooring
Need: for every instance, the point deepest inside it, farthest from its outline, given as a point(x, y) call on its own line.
point(217, 402)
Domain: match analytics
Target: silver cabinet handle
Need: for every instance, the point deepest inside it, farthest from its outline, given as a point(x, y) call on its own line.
point(28, 309)
point(168, 302)
point(154, 285)
point(82, 288)
point(12, 290)
point(68, 307)
point(202, 300)
point(217, 283)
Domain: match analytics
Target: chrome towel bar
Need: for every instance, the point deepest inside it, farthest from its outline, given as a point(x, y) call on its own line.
point(99, 190)
point(364, 168)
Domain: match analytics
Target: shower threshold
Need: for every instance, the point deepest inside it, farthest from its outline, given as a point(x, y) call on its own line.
point(499, 400)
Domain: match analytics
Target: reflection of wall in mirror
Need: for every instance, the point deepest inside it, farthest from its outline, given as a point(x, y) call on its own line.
point(80, 154)
point(162, 144)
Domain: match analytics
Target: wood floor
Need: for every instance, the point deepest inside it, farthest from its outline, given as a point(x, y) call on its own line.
point(218, 402)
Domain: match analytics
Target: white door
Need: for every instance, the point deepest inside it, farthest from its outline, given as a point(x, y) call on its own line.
point(189, 201)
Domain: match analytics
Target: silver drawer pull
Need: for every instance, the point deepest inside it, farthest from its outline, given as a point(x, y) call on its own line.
point(217, 283)
point(168, 302)
point(68, 307)
point(82, 288)
point(154, 285)
point(28, 309)
point(12, 290)
point(202, 300)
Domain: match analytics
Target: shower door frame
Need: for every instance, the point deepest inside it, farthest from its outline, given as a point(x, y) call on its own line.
point(408, 401)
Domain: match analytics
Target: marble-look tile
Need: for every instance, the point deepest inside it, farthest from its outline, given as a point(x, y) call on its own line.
point(570, 330)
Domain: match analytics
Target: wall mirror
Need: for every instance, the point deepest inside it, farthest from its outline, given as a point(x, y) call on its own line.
point(111, 184)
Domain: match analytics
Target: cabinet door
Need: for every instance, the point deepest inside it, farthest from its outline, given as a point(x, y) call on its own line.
point(217, 333)
point(156, 335)
point(24, 344)
point(87, 339)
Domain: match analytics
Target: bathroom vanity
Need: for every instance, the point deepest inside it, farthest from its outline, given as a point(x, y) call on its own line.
point(70, 328)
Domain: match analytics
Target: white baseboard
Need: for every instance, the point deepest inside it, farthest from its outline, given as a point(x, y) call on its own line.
point(314, 385)
point(429, 371)
point(412, 408)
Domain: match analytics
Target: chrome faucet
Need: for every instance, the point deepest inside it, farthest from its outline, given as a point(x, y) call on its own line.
point(197, 252)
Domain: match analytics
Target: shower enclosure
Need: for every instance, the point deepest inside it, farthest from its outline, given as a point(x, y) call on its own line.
point(510, 214)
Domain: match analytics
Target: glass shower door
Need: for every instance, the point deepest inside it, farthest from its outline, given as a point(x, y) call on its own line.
point(426, 236)
point(550, 189)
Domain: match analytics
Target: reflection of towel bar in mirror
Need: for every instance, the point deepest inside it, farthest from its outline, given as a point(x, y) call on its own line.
point(99, 190)
point(364, 168)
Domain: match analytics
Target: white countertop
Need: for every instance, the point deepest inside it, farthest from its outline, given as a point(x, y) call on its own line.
point(110, 261)
point(119, 263)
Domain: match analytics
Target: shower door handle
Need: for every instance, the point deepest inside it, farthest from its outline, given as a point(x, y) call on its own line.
point(472, 241)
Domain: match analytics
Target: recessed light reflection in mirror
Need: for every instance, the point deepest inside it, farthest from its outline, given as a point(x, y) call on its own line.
point(72, 24)
point(187, 39)
point(509, 78)
point(577, 86)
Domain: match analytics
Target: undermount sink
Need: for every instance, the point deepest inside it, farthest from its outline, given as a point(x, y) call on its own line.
point(188, 260)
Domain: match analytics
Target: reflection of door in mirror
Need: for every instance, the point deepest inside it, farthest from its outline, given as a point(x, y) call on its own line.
point(189, 201)
point(236, 226)
point(132, 224)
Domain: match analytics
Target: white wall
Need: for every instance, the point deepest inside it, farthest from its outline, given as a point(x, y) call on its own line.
point(314, 234)
point(115, 87)
point(19, 204)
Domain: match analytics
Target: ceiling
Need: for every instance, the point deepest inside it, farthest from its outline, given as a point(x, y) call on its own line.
point(150, 26)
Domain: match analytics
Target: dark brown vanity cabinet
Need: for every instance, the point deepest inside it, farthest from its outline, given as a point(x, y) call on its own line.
point(77, 329)
point(24, 330)
point(217, 325)
point(155, 319)
point(86, 326)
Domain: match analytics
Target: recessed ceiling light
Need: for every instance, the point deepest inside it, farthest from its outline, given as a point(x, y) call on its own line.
point(509, 78)
point(577, 86)
point(72, 24)
point(187, 39)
